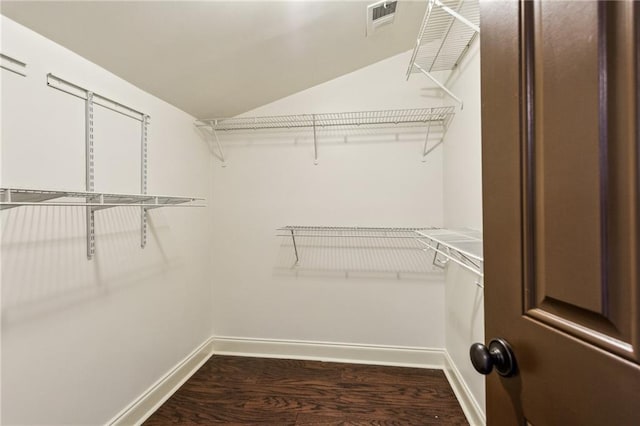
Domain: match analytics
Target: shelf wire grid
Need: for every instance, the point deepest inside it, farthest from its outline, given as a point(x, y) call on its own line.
point(382, 118)
point(377, 247)
point(443, 40)
point(14, 197)
point(357, 250)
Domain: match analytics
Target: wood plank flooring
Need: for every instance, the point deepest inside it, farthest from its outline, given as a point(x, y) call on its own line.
point(239, 390)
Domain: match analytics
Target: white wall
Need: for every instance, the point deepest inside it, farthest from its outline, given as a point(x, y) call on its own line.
point(464, 317)
point(82, 339)
point(372, 179)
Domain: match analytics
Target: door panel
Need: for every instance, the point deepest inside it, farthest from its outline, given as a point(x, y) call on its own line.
point(561, 184)
point(563, 135)
point(567, 173)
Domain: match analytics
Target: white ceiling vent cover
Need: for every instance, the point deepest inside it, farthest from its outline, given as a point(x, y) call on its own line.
point(379, 14)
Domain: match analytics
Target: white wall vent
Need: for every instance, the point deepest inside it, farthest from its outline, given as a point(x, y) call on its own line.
point(380, 13)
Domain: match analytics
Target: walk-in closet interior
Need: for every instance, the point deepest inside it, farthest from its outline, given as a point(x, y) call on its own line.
point(290, 180)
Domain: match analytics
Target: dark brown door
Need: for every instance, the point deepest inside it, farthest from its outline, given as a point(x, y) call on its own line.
point(560, 114)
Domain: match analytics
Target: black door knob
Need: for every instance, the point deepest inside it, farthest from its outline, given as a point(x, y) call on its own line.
point(498, 355)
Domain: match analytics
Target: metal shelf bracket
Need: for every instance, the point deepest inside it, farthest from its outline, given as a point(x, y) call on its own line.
point(426, 150)
point(315, 141)
point(440, 85)
point(214, 138)
point(295, 246)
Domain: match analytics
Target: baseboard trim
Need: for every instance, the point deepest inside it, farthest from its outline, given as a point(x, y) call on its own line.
point(403, 356)
point(147, 403)
point(473, 412)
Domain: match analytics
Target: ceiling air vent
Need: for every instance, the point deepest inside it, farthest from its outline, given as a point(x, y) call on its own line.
point(379, 14)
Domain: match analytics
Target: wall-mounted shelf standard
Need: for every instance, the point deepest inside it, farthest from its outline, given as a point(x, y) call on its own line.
point(463, 247)
point(90, 100)
point(436, 120)
point(448, 29)
point(90, 199)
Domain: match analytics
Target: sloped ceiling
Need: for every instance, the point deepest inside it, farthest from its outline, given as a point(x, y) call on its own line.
point(221, 58)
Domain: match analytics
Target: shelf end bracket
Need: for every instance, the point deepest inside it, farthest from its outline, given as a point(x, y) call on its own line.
point(214, 136)
point(315, 142)
point(295, 247)
point(442, 86)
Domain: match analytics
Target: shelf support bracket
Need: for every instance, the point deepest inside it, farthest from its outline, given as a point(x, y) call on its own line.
point(436, 261)
point(214, 136)
point(143, 177)
point(295, 247)
point(442, 86)
point(315, 141)
point(425, 151)
point(89, 174)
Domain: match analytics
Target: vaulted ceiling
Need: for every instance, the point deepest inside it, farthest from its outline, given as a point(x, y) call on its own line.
point(221, 58)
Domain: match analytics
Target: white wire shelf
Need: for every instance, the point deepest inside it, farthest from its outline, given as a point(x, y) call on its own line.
point(463, 247)
point(398, 117)
point(14, 197)
point(436, 120)
point(448, 29)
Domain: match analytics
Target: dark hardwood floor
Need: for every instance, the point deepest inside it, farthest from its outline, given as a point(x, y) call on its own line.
point(239, 390)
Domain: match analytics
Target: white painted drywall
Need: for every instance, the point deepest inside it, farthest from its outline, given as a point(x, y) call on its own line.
point(464, 317)
point(366, 180)
point(82, 339)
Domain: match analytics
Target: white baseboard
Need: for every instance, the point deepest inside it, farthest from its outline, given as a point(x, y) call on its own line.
point(145, 405)
point(140, 409)
point(475, 415)
point(329, 351)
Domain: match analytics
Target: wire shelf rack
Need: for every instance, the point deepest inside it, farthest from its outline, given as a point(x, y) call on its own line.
point(463, 247)
point(398, 117)
point(448, 29)
point(14, 197)
point(436, 120)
